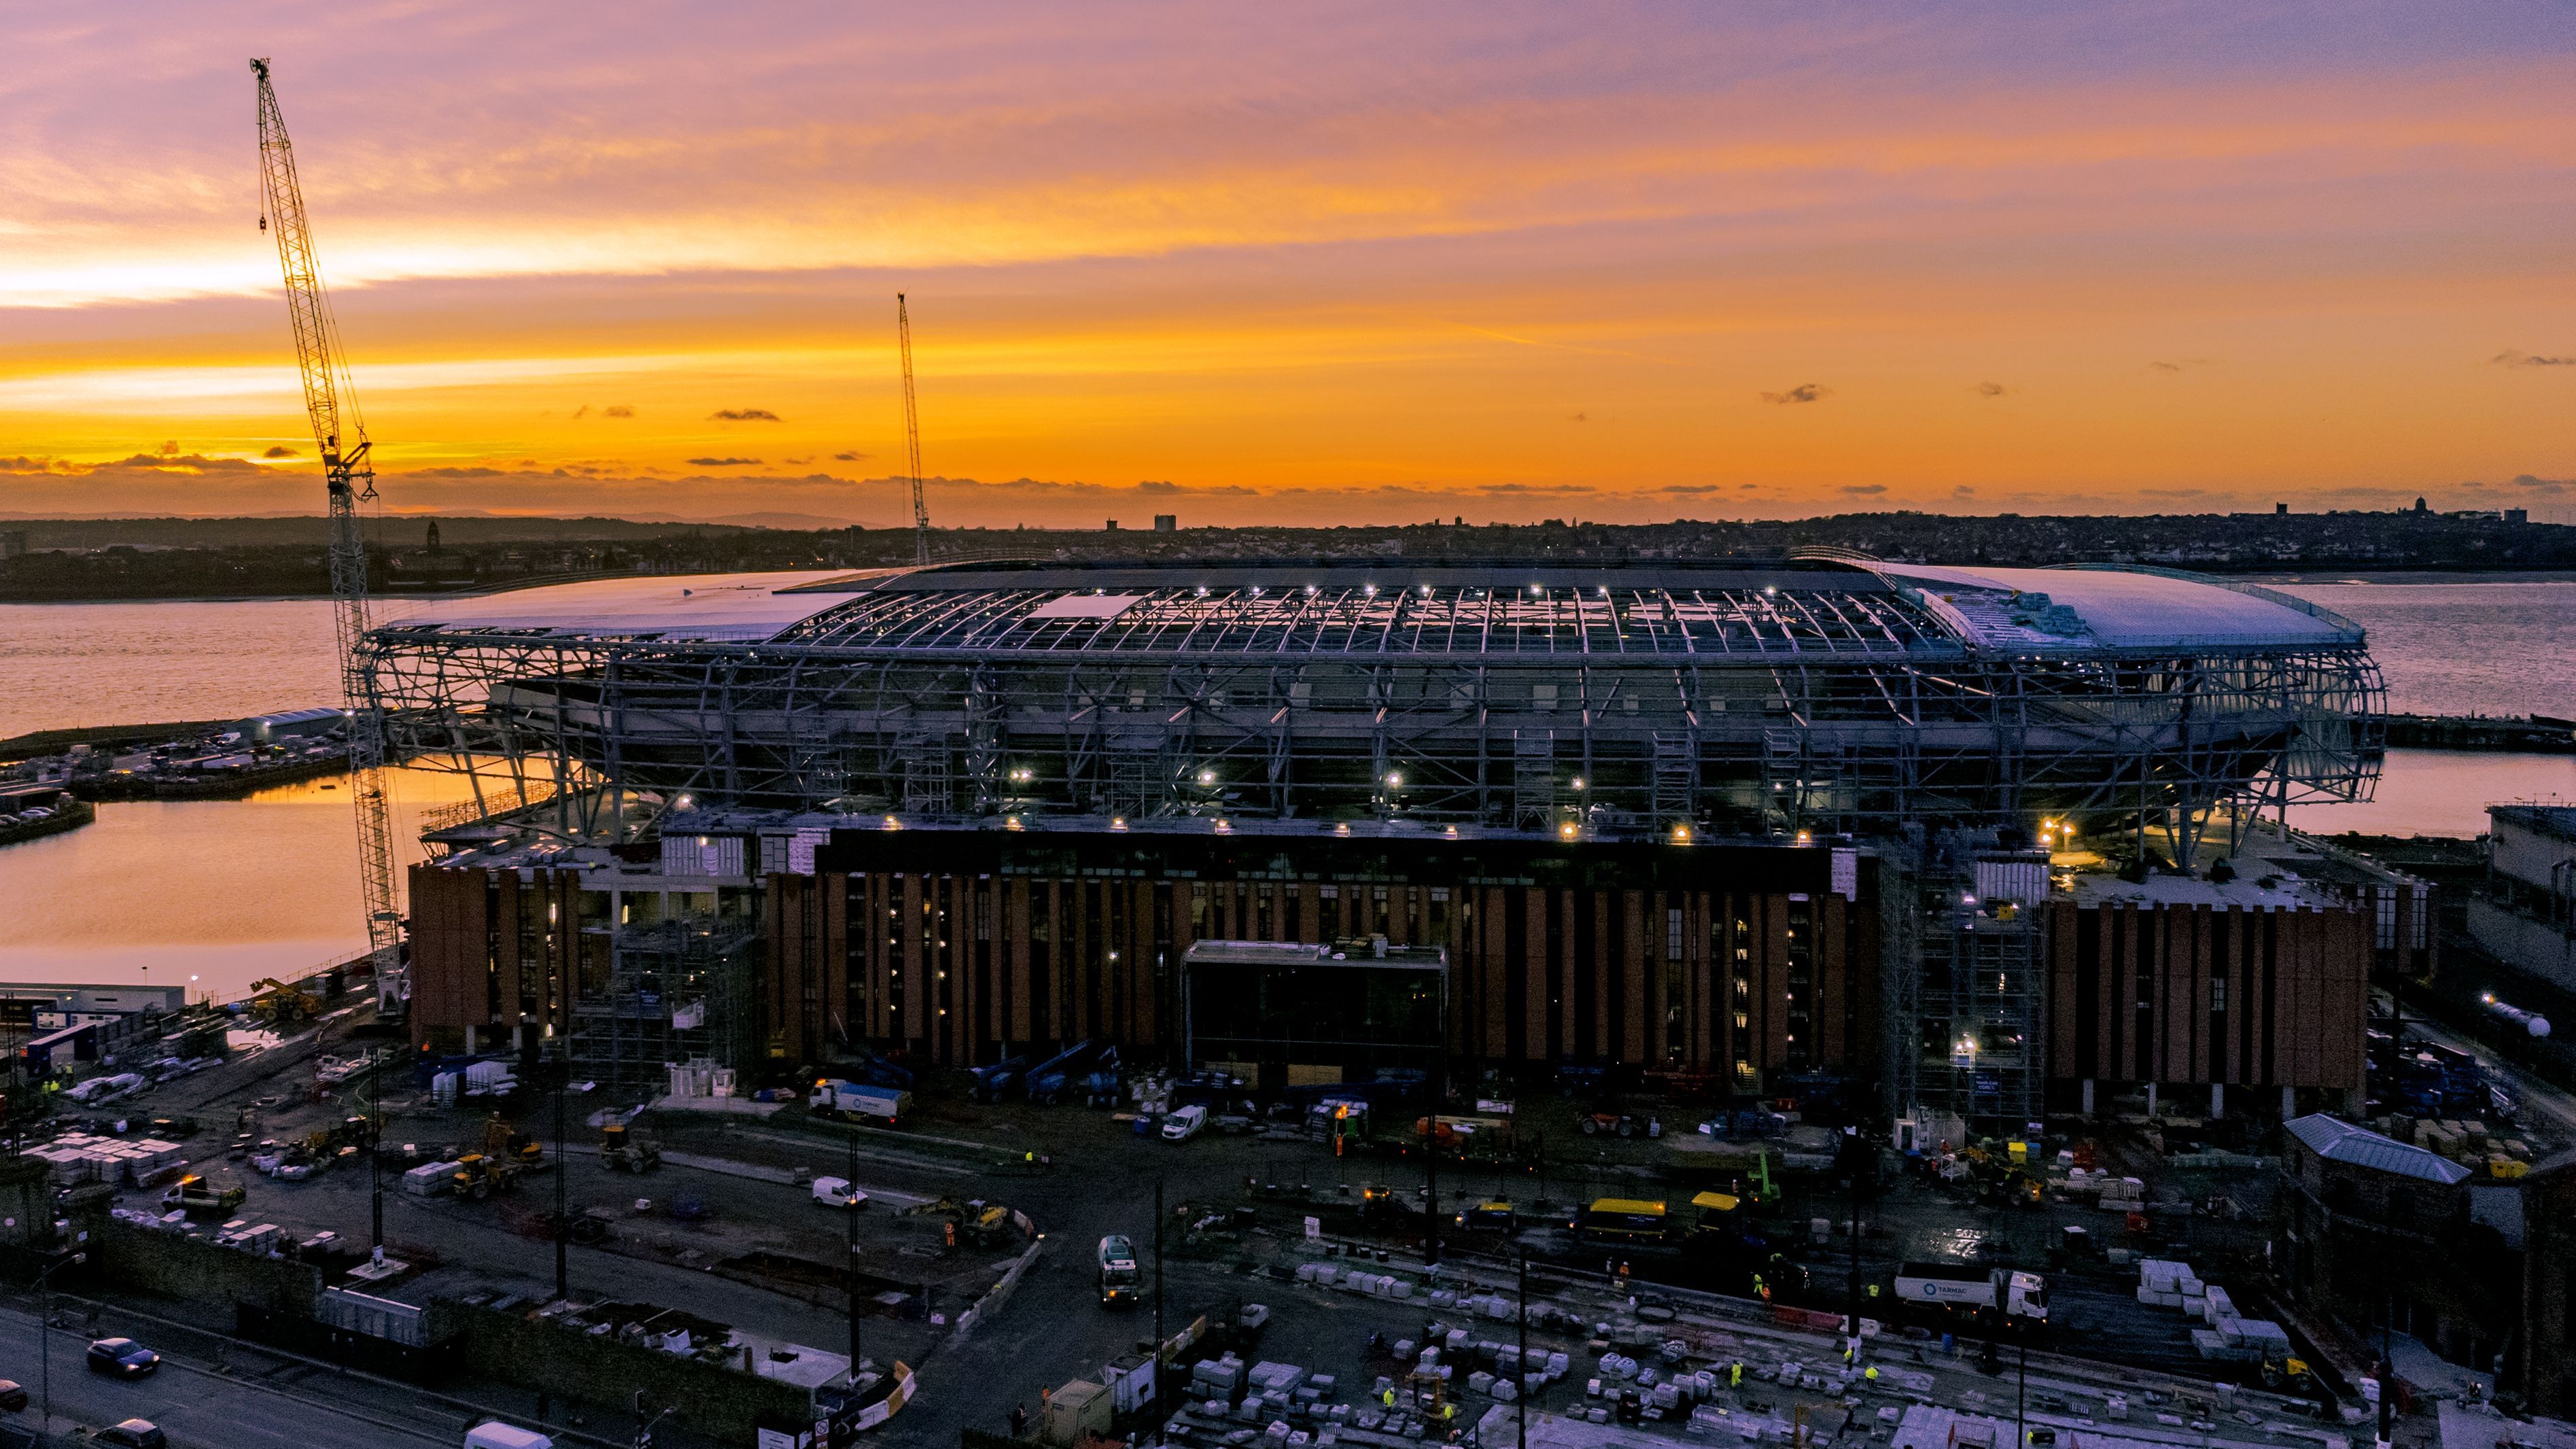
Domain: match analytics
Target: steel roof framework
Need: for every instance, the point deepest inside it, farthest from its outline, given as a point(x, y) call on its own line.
point(1604, 709)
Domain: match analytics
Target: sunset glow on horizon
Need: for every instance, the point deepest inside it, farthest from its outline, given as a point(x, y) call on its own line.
point(1305, 266)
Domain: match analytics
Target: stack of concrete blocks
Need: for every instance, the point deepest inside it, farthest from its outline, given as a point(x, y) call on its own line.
point(2163, 1283)
point(1217, 1378)
point(88, 1157)
point(2124, 1195)
point(1275, 1386)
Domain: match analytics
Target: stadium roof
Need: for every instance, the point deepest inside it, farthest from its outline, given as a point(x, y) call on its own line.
point(2343, 1142)
point(1720, 611)
point(697, 608)
point(2132, 608)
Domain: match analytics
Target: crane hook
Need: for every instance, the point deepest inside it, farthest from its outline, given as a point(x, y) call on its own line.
point(263, 222)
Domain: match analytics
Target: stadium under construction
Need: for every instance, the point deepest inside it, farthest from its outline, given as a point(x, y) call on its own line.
point(1754, 818)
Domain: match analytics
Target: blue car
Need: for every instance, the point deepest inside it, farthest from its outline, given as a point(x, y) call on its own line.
point(122, 1357)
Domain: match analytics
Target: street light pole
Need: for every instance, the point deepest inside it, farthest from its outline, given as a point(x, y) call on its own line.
point(563, 1170)
point(45, 1336)
point(375, 1160)
point(851, 1138)
point(2021, 1396)
point(1521, 1390)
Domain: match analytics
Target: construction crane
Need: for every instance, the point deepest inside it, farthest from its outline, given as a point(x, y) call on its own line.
point(912, 434)
point(340, 434)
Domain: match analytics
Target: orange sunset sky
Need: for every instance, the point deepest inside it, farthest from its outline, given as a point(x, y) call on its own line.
point(1304, 263)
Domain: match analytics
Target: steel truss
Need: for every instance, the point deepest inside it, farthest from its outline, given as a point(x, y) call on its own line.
point(1861, 741)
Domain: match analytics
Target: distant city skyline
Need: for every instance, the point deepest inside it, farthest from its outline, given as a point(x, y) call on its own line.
point(1309, 265)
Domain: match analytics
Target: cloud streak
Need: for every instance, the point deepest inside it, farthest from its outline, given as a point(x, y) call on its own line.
point(1805, 392)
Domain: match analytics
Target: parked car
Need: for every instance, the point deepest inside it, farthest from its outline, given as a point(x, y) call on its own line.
point(1184, 1124)
point(132, 1434)
point(122, 1357)
point(13, 1395)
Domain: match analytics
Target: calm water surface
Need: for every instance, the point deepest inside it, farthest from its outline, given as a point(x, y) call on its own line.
point(230, 891)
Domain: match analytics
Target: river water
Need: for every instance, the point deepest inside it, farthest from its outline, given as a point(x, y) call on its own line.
point(223, 892)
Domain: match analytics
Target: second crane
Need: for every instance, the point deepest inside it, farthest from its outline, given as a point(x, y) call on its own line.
point(912, 433)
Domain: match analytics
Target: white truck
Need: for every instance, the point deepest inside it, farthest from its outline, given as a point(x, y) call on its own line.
point(1964, 1292)
point(497, 1435)
point(1118, 1274)
point(856, 1100)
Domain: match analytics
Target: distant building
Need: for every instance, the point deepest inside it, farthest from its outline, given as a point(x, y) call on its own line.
point(2517, 515)
point(433, 530)
point(1112, 526)
point(2281, 509)
point(2420, 505)
point(2528, 917)
point(1167, 523)
point(2474, 1266)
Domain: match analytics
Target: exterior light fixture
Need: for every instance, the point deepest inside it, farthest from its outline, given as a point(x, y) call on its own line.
point(1568, 830)
point(1207, 777)
point(1394, 778)
point(893, 824)
point(1681, 835)
point(1117, 822)
point(1804, 837)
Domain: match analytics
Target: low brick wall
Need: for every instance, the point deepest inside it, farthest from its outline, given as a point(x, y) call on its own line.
point(194, 1271)
point(725, 1404)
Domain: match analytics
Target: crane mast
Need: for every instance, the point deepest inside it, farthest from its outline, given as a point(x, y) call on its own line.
point(340, 435)
point(912, 434)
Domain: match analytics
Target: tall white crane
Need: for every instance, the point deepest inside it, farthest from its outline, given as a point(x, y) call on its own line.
point(331, 403)
point(912, 434)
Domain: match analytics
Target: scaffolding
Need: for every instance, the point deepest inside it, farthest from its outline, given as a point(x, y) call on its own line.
point(1976, 1023)
point(678, 990)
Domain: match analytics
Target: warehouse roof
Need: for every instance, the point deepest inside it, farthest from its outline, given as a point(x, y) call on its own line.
point(2338, 1141)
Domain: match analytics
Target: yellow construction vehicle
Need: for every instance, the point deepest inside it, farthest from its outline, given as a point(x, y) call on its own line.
point(279, 1005)
point(479, 1175)
point(621, 1151)
point(2288, 1374)
point(503, 1140)
point(193, 1193)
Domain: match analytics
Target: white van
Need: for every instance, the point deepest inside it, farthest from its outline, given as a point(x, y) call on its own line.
point(1184, 1124)
point(838, 1192)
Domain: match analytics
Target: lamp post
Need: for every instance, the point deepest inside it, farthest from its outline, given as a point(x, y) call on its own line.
point(45, 1334)
point(375, 1162)
point(563, 1170)
point(1520, 1396)
point(851, 1138)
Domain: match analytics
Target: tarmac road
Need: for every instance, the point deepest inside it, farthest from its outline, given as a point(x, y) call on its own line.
point(200, 1409)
